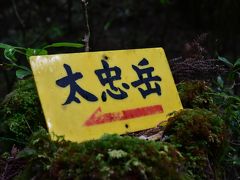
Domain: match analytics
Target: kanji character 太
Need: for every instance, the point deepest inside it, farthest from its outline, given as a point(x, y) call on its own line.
point(70, 80)
point(108, 75)
point(145, 77)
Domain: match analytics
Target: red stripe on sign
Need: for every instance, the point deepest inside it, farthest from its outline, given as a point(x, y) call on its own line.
point(98, 118)
point(139, 112)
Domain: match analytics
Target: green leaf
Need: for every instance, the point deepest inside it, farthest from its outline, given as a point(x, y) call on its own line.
point(11, 139)
point(236, 69)
point(225, 61)
point(64, 44)
point(220, 81)
point(9, 54)
point(35, 52)
point(237, 62)
point(27, 152)
point(5, 46)
point(24, 68)
point(20, 73)
point(107, 25)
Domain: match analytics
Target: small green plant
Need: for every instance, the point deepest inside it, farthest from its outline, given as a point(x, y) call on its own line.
point(11, 54)
point(232, 77)
point(228, 108)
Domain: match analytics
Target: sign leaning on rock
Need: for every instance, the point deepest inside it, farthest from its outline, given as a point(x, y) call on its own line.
point(85, 95)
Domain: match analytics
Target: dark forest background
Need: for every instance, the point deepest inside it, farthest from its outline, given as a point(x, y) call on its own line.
point(120, 25)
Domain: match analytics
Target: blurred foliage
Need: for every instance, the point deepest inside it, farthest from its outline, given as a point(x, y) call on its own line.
point(228, 108)
point(226, 105)
point(219, 17)
point(230, 82)
point(196, 62)
point(35, 23)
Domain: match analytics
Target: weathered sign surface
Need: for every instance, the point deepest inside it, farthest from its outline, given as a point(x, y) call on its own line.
point(85, 95)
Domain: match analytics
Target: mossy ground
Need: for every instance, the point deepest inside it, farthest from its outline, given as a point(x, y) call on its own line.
point(111, 157)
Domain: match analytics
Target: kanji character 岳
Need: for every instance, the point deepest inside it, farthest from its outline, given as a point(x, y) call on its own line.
point(145, 78)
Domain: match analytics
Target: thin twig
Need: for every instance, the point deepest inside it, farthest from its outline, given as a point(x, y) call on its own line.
point(210, 168)
point(87, 34)
point(4, 171)
point(18, 15)
point(235, 143)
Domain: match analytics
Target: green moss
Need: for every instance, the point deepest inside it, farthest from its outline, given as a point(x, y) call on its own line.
point(21, 112)
point(111, 157)
point(195, 94)
point(199, 135)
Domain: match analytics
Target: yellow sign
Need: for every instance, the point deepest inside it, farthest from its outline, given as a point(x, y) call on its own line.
point(85, 95)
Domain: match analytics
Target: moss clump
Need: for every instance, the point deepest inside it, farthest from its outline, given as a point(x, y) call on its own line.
point(199, 135)
point(21, 112)
point(111, 157)
point(195, 94)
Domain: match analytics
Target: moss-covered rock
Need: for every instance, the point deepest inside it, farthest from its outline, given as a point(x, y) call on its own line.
point(21, 113)
point(199, 135)
point(195, 94)
point(111, 157)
